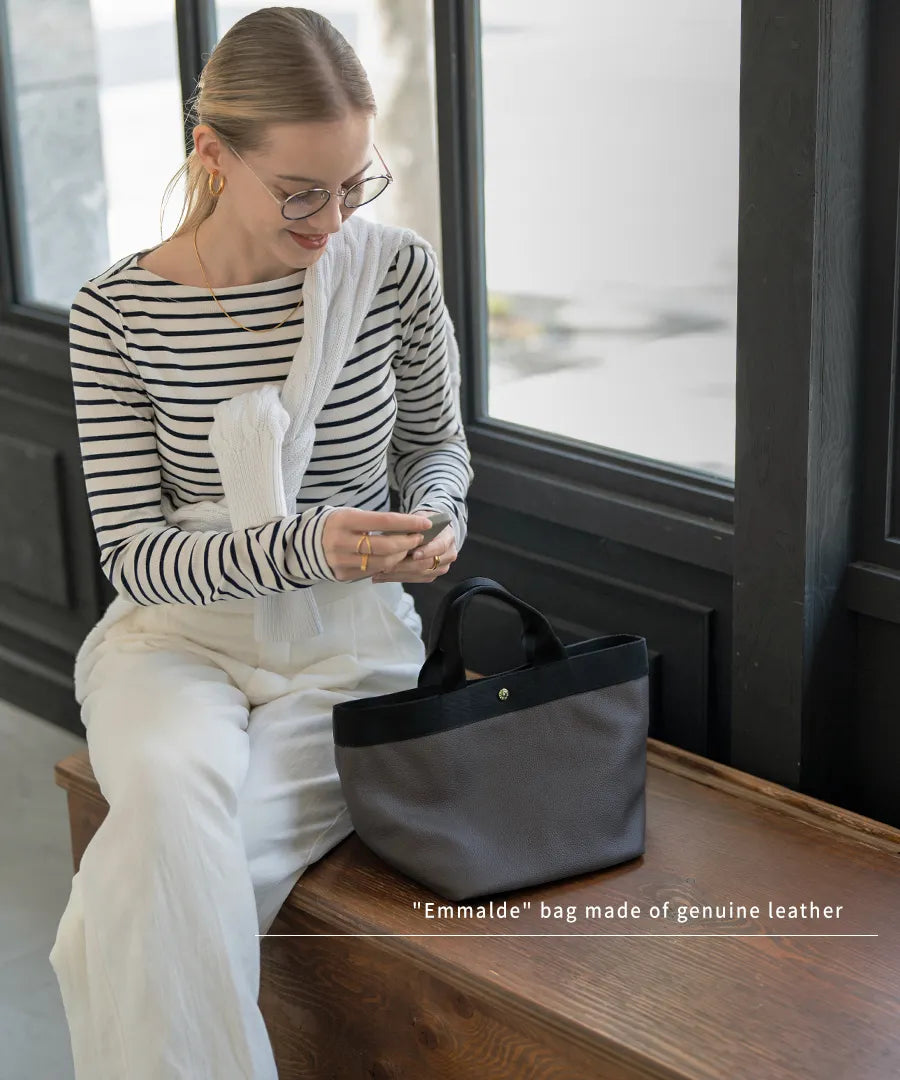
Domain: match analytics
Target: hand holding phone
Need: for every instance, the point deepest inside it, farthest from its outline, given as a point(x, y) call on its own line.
point(344, 532)
point(440, 519)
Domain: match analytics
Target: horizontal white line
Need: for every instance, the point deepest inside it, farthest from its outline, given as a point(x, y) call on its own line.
point(569, 935)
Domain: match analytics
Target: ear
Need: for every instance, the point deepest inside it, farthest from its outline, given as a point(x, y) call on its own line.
point(209, 147)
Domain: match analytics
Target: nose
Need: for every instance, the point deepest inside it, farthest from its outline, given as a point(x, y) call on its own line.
point(327, 220)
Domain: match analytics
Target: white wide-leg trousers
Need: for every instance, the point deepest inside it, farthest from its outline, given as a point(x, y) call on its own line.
point(215, 754)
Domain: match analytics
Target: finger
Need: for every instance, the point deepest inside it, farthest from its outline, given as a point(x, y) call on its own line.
point(388, 521)
point(410, 570)
point(426, 566)
point(380, 546)
point(437, 546)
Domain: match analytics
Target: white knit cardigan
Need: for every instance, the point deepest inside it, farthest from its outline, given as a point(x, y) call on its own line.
point(263, 440)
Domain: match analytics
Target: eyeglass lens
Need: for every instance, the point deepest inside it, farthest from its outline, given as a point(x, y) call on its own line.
point(309, 202)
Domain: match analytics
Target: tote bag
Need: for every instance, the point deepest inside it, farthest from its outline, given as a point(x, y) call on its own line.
point(510, 780)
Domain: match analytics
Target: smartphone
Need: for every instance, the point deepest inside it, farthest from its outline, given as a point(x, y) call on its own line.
point(440, 519)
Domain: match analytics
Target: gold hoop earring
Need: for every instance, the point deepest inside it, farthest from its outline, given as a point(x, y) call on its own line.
point(209, 184)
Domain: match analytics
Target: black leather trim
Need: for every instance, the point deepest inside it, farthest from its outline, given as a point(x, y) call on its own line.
point(423, 710)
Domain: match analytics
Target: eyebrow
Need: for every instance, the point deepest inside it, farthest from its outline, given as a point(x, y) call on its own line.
point(321, 183)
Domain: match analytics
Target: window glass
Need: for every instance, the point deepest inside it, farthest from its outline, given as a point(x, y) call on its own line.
point(611, 188)
point(96, 135)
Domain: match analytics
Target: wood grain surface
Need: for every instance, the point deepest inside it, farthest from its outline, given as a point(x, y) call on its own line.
point(364, 984)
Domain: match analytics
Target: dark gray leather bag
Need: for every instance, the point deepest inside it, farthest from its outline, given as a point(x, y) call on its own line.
point(506, 781)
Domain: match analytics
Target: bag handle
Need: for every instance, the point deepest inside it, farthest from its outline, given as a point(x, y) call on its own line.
point(444, 664)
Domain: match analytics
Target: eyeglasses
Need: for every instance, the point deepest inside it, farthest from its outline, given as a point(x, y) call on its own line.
point(306, 203)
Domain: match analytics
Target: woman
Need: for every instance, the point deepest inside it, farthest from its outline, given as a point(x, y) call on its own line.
point(211, 741)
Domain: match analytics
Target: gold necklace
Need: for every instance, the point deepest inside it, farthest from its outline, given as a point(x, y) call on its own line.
point(252, 329)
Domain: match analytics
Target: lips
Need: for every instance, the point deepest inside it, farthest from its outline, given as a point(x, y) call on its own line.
point(309, 242)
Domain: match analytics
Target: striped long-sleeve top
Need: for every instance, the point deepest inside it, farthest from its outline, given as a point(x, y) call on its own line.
point(150, 358)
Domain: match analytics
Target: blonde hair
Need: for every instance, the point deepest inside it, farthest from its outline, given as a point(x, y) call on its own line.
point(276, 65)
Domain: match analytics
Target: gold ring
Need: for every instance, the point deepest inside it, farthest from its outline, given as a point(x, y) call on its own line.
point(365, 559)
point(436, 563)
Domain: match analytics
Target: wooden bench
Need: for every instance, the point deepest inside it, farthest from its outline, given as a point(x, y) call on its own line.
point(383, 991)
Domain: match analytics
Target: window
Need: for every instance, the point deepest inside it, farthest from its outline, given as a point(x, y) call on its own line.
point(611, 193)
point(96, 135)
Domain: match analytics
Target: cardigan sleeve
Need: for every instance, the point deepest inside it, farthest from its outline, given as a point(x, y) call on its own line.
point(429, 462)
point(142, 555)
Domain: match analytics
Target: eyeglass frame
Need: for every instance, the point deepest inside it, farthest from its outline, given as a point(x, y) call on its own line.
point(342, 191)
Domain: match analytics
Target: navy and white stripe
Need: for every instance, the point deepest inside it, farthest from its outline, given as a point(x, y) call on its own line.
point(150, 358)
